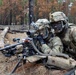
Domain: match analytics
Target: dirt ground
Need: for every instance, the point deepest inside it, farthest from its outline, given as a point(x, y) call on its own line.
point(7, 64)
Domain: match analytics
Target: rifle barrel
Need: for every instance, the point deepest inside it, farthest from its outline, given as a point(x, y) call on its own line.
point(10, 46)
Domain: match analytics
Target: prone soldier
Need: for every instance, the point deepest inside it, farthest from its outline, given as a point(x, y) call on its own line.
point(54, 44)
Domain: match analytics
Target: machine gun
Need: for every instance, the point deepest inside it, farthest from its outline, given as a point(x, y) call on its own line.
point(19, 49)
point(10, 49)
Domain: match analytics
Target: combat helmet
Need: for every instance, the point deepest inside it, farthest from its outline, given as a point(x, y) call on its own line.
point(40, 24)
point(58, 21)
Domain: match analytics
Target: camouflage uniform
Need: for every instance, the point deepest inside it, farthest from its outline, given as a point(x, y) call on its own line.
point(64, 30)
point(54, 44)
point(67, 34)
point(69, 39)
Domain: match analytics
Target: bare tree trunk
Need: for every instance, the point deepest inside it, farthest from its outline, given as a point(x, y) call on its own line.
point(3, 59)
point(2, 36)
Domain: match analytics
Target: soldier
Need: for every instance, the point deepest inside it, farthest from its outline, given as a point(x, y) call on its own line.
point(65, 30)
point(42, 28)
point(53, 44)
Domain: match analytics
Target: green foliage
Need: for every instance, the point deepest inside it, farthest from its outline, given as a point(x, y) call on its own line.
point(72, 0)
point(0, 2)
point(23, 2)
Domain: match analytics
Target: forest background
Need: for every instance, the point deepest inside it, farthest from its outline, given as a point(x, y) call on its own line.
point(17, 11)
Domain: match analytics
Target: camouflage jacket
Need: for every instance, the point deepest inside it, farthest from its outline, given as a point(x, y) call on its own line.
point(69, 38)
point(54, 45)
